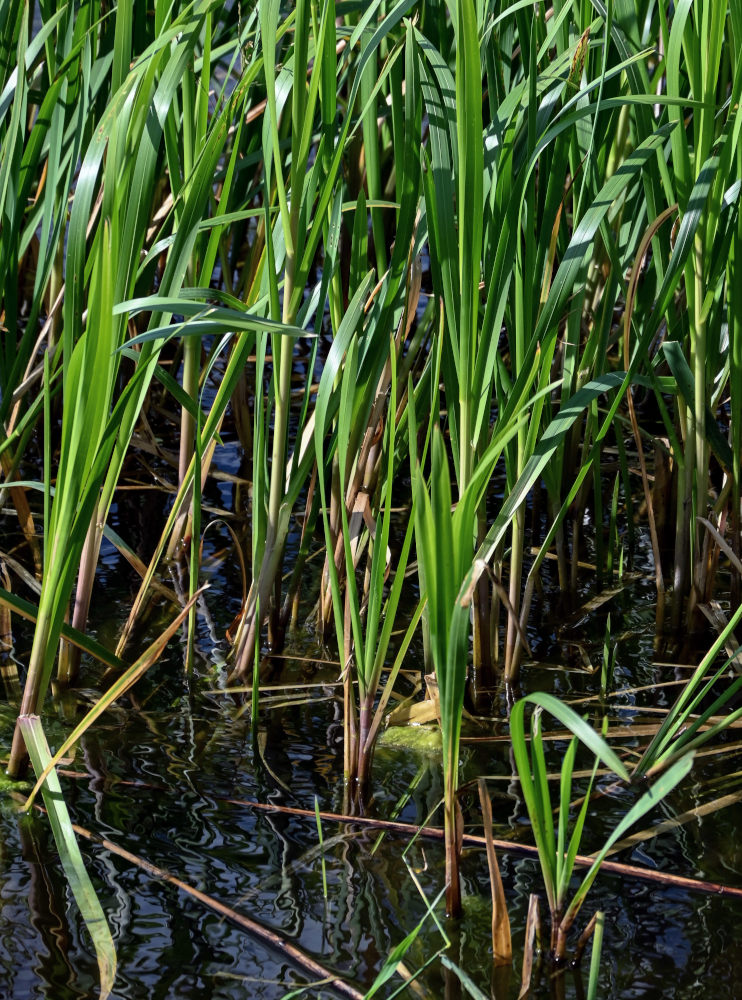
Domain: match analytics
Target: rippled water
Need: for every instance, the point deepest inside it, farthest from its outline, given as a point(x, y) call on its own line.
point(155, 778)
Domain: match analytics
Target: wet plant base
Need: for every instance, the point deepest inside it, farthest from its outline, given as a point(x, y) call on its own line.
point(370, 370)
point(171, 778)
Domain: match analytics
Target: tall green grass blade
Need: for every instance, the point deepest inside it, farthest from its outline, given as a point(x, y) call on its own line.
point(576, 725)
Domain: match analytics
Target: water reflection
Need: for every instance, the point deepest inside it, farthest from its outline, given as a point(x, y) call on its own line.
point(156, 785)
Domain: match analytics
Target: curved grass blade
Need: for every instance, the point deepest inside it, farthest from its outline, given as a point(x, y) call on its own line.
point(576, 725)
point(397, 953)
point(654, 795)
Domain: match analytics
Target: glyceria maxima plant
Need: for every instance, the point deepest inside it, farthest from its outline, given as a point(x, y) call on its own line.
point(308, 193)
point(266, 216)
point(88, 358)
point(558, 847)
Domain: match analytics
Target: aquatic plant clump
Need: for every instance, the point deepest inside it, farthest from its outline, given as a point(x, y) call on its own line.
point(399, 340)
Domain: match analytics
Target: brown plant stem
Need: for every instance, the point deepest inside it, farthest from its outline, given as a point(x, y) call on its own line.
point(69, 654)
point(583, 939)
point(268, 937)
point(507, 846)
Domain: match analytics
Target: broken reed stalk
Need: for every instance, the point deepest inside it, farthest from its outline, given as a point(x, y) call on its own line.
point(584, 938)
point(502, 946)
point(532, 945)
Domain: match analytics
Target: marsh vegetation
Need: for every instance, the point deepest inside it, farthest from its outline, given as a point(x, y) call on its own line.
point(370, 430)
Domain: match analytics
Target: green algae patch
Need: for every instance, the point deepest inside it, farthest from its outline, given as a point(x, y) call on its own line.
point(419, 739)
point(8, 785)
point(12, 794)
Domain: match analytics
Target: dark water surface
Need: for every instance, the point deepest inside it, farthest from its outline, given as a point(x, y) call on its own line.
point(155, 776)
